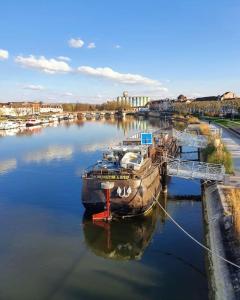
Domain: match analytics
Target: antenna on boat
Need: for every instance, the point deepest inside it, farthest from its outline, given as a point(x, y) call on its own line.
point(106, 214)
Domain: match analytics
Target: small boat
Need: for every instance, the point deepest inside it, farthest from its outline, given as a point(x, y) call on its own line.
point(21, 123)
point(108, 115)
point(33, 122)
point(6, 125)
point(44, 121)
point(80, 116)
point(97, 116)
point(60, 118)
point(120, 114)
point(53, 119)
point(71, 117)
point(89, 116)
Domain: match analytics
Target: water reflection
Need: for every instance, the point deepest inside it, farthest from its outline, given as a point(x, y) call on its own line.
point(7, 165)
point(9, 132)
point(128, 124)
point(163, 201)
point(120, 239)
point(101, 146)
point(49, 154)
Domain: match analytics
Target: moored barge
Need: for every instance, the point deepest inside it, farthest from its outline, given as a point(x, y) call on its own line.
point(134, 170)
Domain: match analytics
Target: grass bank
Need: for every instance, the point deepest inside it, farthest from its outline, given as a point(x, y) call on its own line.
point(228, 123)
point(233, 198)
point(216, 152)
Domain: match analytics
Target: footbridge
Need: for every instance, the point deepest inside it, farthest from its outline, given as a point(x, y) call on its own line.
point(185, 138)
point(189, 169)
point(195, 170)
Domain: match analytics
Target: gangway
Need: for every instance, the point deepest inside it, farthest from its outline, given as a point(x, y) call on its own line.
point(195, 170)
point(185, 138)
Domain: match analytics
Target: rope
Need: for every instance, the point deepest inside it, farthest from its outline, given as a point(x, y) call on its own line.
point(195, 240)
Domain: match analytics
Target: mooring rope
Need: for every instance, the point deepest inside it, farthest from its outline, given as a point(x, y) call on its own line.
point(195, 240)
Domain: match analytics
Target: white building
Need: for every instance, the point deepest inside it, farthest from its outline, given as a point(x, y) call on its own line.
point(133, 101)
point(51, 108)
point(19, 109)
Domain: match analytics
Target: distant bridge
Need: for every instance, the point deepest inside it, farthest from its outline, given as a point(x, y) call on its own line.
point(103, 112)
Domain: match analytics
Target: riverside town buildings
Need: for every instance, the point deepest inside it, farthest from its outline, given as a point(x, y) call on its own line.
point(19, 109)
point(133, 101)
point(161, 105)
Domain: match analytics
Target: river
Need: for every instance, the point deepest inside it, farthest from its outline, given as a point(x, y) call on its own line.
point(49, 250)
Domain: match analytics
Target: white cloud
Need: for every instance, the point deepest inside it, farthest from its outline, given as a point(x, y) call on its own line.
point(91, 45)
point(7, 165)
point(75, 43)
point(65, 58)
point(125, 78)
point(3, 54)
point(117, 46)
point(49, 154)
point(34, 87)
point(69, 94)
point(43, 64)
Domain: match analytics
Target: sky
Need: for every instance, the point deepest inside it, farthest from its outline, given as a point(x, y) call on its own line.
point(92, 51)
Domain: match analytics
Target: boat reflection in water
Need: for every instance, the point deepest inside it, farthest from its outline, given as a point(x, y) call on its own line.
point(124, 239)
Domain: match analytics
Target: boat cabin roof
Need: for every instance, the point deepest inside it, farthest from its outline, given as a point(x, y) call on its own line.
point(129, 148)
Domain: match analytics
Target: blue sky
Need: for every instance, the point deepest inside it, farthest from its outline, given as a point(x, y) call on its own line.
point(93, 50)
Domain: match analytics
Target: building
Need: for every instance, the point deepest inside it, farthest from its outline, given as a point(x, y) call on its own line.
point(208, 98)
point(19, 109)
point(133, 101)
point(227, 96)
point(163, 105)
point(51, 108)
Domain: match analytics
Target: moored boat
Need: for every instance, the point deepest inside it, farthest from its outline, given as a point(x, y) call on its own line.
point(133, 170)
point(44, 121)
point(33, 122)
point(53, 119)
point(6, 125)
point(80, 116)
point(89, 116)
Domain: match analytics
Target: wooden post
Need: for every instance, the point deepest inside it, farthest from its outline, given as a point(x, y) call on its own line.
point(164, 177)
point(199, 158)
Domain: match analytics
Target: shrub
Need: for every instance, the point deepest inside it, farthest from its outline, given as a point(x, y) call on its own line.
point(233, 197)
point(193, 120)
point(179, 116)
point(179, 125)
point(219, 155)
point(204, 129)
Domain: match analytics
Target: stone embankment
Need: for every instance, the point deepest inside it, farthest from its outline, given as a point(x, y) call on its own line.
point(221, 239)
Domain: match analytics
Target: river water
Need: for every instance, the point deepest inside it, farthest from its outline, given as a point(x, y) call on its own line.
point(49, 250)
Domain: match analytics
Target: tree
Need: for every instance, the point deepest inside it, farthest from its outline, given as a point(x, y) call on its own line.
point(181, 97)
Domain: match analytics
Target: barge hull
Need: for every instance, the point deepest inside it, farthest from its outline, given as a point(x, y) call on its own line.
point(142, 197)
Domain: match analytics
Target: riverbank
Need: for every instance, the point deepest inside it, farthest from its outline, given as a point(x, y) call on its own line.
point(220, 238)
point(220, 283)
point(220, 232)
